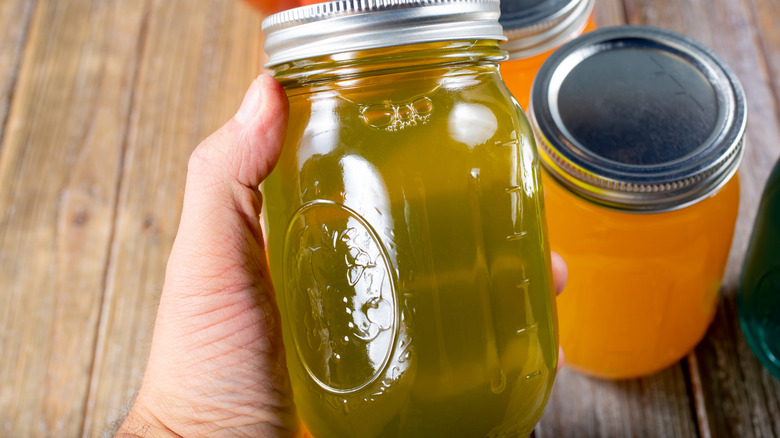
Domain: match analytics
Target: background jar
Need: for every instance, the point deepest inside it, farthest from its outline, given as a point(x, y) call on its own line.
point(758, 299)
point(641, 132)
point(406, 236)
point(534, 29)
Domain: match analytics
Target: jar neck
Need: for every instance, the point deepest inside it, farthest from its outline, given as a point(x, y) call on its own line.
point(363, 64)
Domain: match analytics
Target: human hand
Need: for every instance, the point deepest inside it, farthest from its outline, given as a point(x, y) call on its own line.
point(560, 276)
point(217, 365)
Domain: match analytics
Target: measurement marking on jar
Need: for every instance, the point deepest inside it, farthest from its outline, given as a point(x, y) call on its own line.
point(523, 284)
point(533, 328)
point(514, 189)
point(516, 236)
point(506, 143)
point(536, 373)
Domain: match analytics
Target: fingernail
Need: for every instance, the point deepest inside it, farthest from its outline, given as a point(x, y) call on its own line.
point(250, 105)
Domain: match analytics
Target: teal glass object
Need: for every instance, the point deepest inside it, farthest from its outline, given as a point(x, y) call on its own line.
point(758, 299)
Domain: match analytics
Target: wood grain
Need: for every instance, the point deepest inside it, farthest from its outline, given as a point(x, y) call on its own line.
point(14, 26)
point(655, 406)
point(58, 176)
point(766, 13)
point(609, 13)
point(196, 61)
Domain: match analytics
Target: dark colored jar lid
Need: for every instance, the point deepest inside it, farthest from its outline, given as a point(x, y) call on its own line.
point(536, 26)
point(638, 118)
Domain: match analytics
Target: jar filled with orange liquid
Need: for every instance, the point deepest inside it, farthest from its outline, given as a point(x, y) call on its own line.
point(641, 133)
point(406, 235)
point(534, 29)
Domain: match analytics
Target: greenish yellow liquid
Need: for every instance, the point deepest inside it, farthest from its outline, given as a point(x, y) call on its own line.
point(408, 251)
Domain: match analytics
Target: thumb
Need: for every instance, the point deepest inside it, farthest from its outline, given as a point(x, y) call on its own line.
point(246, 148)
point(221, 199)
point(229, 165)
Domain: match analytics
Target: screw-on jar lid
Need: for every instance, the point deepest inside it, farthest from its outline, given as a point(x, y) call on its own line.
point(536, 26)
point(638, 118)
point(348, 25)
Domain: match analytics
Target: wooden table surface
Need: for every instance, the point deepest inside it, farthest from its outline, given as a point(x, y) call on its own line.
point(101, 103)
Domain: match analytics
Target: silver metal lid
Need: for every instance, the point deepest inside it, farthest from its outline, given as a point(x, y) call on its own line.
point(348, 25)
point(536, 26)
point(638, 118)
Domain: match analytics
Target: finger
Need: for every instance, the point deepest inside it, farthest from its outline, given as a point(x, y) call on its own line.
point(560, 272)
point(561, 357)
point(225, 170)
point(264, 121)
point(247, 147)
point(221, 202)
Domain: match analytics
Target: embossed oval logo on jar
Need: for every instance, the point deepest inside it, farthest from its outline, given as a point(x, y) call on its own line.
point(341, 301)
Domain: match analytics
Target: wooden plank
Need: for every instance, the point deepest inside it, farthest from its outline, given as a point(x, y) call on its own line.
point(198, 59)
point(609, 13)
point(654, 406)
point(14, 25)
point(657, 405)
point(766, 13)
point(58, 174)
point(739, 397)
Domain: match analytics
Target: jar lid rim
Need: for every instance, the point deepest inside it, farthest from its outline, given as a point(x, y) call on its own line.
point(515, 14)
point(348, 25)
point(542, 29)
point(649, 170)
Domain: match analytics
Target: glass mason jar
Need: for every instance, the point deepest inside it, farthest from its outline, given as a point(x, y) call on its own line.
point(534, 29)
point(641, 133)
point(406, 234)
point(758, 299)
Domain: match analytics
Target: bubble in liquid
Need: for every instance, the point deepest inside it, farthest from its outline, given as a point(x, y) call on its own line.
point(533, 328)
point(345, 405)
point(405, 113)
point(534, 374)
point(378, 116)
point(393, 117)
point(422, 106)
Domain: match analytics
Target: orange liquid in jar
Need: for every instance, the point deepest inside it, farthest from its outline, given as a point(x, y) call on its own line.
point(273, 6)
point(667, 266)
point(519, 73)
